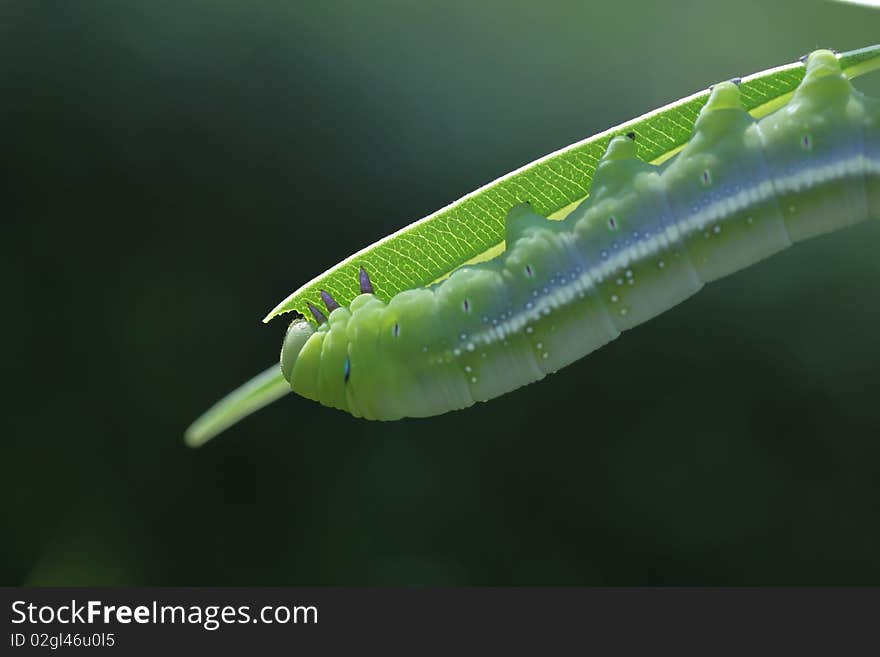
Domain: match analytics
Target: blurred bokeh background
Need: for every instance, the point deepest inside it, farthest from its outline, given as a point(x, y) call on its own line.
point(171, 170)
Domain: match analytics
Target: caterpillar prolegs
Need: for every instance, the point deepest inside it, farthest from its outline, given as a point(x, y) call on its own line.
point(645, 239)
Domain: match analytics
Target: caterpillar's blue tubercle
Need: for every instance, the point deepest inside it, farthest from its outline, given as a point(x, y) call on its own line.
point(645, 239)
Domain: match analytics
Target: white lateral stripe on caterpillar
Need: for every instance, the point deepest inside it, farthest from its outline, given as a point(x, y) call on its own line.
point(582, 281)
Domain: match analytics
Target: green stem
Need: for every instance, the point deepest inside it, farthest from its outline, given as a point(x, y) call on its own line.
point(260, 391)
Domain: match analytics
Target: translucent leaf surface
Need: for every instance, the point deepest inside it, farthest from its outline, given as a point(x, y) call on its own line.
point(473, 226)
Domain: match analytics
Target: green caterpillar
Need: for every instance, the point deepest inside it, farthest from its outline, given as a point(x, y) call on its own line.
point(645, 239)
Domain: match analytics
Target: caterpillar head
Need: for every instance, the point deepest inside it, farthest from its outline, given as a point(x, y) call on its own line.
point(297, 345)
point(298, 333)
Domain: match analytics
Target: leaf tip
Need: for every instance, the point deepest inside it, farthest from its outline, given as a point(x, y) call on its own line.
point(277, 310)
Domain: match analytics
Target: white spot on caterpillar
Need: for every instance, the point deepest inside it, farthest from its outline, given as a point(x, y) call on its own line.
point(470, 346)
point(529, 329)
point(716, 230)
point(468, 368)
point(540, 345)
point(629, 273)
point(614, 298)
point(425, 349)
point(604, 254)
point(456, 351)
point(545, 355)
point(624, 312)
point(620, 281)
point(462, 337)
point(661, 264)
point(750, 220)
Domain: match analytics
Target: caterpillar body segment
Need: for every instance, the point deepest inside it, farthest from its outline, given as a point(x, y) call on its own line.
point(815, 149)
point(644, 240)
point(720, 193)
point(633, 252)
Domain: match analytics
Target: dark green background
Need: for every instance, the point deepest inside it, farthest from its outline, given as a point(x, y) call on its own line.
point(171, 170)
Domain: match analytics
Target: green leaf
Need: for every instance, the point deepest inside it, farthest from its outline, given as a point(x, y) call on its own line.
point(472, 228)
